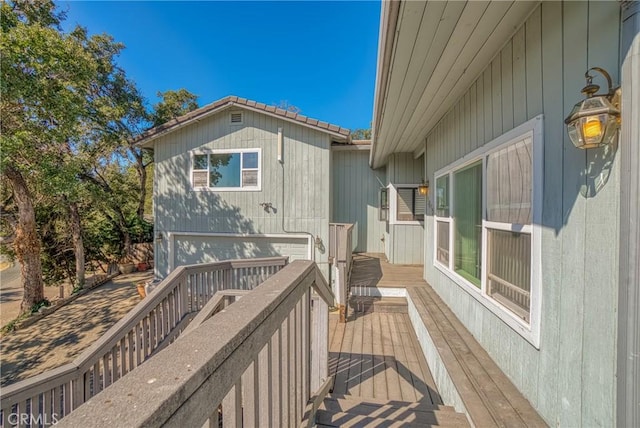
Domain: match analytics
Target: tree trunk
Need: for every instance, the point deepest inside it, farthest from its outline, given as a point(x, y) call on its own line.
point(142, 176)
point(122, 225)
point(27, 242)
point(78, 244)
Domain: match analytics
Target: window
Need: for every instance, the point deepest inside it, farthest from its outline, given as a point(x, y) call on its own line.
point(509, 185)
point(485, 235)
point(443, 222)
point(226, 170)
point(411, 205)
point(383, 204)
point(467, 225)
point(407, 205)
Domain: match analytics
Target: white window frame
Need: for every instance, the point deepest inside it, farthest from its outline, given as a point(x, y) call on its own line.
point(393, 204)
point(534, 129)
point(227, 151)
point(383, 208)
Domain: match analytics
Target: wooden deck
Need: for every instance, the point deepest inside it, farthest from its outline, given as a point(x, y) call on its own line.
point(373, 270)
point(376, 355)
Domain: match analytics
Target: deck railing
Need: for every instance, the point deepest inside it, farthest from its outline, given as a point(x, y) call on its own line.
point(341, 253)
point(255, 363)
point(150, 326)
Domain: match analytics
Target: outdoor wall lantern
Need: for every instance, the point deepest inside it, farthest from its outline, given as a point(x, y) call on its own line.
point(159, 237)
point(593, 121)
point(423, 188)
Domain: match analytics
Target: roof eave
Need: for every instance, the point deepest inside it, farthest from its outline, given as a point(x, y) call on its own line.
point(482, 36)
point(147, 139)
point(386, 39)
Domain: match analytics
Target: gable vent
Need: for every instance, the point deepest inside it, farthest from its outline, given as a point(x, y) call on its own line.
point(236, 117)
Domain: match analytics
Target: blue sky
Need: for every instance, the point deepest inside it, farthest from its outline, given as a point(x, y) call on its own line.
point(318, 56)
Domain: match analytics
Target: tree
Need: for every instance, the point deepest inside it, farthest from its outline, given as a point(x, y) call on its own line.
point(361, 134)
point(172, 104)
point(284, 105)
point(60, 95)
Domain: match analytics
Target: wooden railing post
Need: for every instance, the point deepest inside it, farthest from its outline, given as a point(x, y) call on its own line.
point(340, 244)
point(228, 278)
point(150, 327)
point(319, 342)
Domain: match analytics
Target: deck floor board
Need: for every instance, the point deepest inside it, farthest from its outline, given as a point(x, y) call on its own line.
point(374, 355)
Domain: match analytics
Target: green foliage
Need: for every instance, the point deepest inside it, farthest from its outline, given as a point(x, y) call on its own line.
point(41, 304)
point(141, 230)
point(361, 134)
point(173, 104)
point(148, 200)
point(11, 325)
point(56, 254)
point(68, 114)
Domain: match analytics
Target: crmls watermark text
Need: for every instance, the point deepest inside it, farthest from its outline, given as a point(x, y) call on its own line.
point(33, 420)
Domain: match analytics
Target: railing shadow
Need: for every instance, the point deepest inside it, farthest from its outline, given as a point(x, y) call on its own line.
point(352, 370)
point(366, 271)
point(368, 365)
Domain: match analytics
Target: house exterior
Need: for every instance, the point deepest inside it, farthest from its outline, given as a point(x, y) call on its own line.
point(531, 241)
point(382, 203)
point(239, 179)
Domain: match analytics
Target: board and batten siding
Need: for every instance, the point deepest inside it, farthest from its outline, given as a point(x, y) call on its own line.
point(570, 380)
point(307, 160)
point(355, 198)
point(405, 242)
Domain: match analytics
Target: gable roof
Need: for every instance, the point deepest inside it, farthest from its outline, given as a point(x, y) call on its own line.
point(337, 132)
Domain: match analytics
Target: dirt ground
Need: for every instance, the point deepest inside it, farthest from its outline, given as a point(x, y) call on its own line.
point(61, 336)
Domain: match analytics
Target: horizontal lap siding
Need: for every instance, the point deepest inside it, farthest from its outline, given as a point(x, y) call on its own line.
point(355, 198)
point(306, 165)
point(570, 380)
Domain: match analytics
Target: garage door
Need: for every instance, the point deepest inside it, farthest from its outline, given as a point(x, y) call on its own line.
point(191, 249)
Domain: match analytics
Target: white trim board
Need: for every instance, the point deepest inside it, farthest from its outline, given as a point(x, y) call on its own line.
point(378, 291)
point(171, 239)
point(350, 147)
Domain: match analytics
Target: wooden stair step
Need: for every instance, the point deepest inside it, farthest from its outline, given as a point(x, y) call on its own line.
point(389, 409)
point(408, 418)
point(350, 400)
point(363, 304)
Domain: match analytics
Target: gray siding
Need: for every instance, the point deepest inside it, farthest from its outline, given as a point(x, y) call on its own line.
point(355, 198)
point(404, 168)
point(571, 378)
point(188, 250)
point(306, 183)
point(405, 242)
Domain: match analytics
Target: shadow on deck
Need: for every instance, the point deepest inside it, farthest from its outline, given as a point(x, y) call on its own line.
point(373, 270)
point(377, 355)
point(381, 377)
